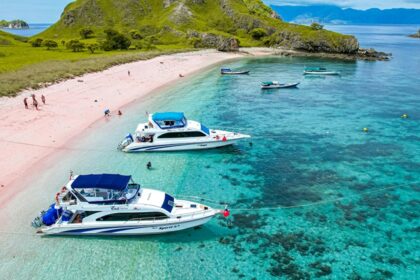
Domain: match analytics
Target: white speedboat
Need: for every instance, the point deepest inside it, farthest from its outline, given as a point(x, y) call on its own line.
point(276, 84)
point(171, 131)
point(110, 204)
point(319, 71)
point(228, 71)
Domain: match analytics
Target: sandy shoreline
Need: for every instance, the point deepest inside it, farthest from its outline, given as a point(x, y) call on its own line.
point(28, 136)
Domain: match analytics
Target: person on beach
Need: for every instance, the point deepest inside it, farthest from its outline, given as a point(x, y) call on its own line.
point(25, 101)
point(107, 112)
point(35, 103)
point(128, 72)
point(181, 76)
point(43, 99)
point(119, 113)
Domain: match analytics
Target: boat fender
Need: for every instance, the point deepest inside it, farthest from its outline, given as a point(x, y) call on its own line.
point(226, 213)
point(56, 197)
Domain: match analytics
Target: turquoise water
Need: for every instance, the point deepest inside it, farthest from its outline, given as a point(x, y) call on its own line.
point(312, 197)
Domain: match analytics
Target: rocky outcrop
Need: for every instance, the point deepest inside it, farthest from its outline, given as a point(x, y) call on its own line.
point(14, 24)
point(315, 43)
point(181, 14)
point(416, 35)
point(228, 45)
point(210, 40)
point(372, 54)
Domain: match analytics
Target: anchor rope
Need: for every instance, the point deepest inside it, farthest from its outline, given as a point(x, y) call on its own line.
point(326, 201)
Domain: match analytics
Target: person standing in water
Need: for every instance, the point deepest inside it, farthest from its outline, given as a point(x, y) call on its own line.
point(43, 99)
point(25, 101)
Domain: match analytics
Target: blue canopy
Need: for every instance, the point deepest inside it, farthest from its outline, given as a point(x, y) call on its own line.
point(225, 70)
point(101, 181)
point(168, 116)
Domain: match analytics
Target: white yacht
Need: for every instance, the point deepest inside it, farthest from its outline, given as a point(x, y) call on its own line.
point(171, 131)
point(111, 204)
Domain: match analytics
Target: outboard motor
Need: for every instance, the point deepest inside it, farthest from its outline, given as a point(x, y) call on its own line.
point(127, 141)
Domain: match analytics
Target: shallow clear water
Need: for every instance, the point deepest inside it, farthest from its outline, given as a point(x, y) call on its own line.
point(313, 196)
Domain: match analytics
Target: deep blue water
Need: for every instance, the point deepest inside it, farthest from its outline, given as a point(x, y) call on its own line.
point(313, 196)
point(34, 28)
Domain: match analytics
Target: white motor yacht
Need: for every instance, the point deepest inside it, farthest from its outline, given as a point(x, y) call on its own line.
point(112, 204)
point(171, 131)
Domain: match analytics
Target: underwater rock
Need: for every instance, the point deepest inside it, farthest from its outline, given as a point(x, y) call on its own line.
point(323, 269)
point(248, 221)
point(382, 274)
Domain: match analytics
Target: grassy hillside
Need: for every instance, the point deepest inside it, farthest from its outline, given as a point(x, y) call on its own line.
point(147, 28)
point(186, 22)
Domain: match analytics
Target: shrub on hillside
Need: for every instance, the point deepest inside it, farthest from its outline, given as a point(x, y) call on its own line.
point(36, 43)
point(92, 47)
point(258, 33)
point(86, 33)
point(75, 45)
point(134, 34)
point(317, 26)
point(50, 44)
point(115, 41)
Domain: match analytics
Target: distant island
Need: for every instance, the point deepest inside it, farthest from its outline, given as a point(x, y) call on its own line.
point(415, 35)
point(14, 24)
point(336, 15)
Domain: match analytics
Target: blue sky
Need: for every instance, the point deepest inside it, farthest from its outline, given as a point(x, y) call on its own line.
point(48, 11)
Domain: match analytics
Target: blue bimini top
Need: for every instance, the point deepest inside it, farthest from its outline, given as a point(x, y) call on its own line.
point(101, 181)
point(169, 120)
point(168, 116)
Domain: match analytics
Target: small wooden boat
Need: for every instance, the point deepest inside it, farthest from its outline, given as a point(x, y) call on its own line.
point(228, 71)
point(276, 84)
point(319, 71)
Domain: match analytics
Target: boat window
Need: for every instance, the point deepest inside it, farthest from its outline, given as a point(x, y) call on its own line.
point(133, 216)
point(185, 134)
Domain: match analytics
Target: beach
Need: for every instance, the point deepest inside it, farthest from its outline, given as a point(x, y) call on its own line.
point(30, 135)
point(311, 195)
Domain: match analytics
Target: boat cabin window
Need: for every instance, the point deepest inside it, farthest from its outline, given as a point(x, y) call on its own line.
point(98, 195)
point(185, 134)
point(133, 217)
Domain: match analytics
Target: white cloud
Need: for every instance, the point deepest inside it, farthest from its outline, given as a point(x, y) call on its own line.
point(356, 4)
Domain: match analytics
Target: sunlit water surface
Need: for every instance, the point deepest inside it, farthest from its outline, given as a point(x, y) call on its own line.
point(313, 196)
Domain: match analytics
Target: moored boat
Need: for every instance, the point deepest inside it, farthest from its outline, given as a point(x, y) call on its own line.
point(319, 71)
point(112, 204)
point(228, 71)
point(171, 131)
point(276, 84)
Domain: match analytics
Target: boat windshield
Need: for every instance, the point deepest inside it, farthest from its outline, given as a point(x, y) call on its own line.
point(205, 129)
point(110, 196)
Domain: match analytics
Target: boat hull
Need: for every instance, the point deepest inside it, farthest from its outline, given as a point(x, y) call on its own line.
point(235, 73)
point(330, 73)
point(124, 228)
point(280, 86)
point(180, 146)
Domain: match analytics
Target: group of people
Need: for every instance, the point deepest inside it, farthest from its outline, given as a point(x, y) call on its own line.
point(35, 103)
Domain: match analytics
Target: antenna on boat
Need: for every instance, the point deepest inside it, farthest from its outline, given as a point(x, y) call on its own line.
point(71, 174)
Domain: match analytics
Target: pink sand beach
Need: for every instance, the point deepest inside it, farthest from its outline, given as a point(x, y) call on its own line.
point(28, 136)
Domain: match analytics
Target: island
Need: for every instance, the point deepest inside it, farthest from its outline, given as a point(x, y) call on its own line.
point(415, 35)
point(94, 35)
point(14, 24)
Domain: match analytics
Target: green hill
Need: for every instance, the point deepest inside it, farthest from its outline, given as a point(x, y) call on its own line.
point(196, 23)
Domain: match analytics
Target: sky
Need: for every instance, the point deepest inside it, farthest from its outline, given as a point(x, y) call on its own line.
point(49, 11)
